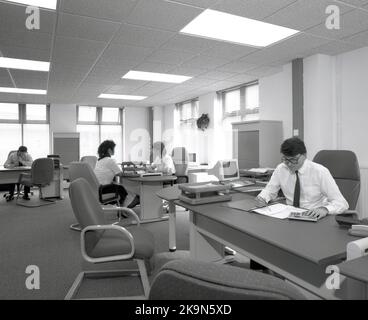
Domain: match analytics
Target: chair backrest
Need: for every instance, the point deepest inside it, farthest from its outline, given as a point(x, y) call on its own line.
point(180, 158)
point(84, 170)
point(344, 168)
point(42, 171)
point(87, 209)
point(91, 160)
point(199, 280)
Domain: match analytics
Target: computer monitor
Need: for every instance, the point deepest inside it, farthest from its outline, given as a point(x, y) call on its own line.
point(226, 170)
point(192, 157)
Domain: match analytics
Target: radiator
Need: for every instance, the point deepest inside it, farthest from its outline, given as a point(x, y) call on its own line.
point(362, 206)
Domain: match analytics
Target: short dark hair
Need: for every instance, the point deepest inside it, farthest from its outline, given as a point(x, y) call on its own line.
point(292, 147)
point(160, 146)
point(22, 149)
point(104, 147)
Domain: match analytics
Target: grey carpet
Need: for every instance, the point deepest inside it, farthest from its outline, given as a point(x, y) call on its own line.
point(41, 237)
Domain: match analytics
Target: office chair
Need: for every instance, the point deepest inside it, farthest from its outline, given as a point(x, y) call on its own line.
point(344, 168)
point(91, 160)
point(180, 158)
point(84, 170)
point(102, 242)
point(42, 173)
point(188, 279)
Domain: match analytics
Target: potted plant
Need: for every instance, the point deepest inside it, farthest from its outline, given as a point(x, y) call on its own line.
point(203, 121)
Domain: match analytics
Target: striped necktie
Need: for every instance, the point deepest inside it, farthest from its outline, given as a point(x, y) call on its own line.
point(296, 202)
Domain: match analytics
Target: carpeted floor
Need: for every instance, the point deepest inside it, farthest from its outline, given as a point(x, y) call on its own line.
point(41, 237)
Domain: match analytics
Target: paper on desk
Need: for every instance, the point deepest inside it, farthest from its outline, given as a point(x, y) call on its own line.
point(278, 210)
point(260, 170)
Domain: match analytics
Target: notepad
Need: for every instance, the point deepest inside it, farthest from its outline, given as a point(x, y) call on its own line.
point(278, 210)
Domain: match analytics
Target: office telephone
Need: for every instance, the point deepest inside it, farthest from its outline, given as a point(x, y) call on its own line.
point(359, 230)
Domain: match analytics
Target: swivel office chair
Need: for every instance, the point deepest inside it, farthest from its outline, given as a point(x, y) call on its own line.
point(180, 158)
point(196, 280)
point(42, 173)
point(103, 243)
point(91, 160)
point(344, 168)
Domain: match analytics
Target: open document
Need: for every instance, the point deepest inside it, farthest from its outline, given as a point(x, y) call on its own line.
point(278, 210)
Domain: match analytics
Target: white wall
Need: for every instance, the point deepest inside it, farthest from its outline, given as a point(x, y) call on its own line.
point(275, 99)
point(63, 118)
point(319, 104)
point(136, 133)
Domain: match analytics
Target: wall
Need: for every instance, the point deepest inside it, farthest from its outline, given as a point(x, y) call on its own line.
point(63, 118)
point(275, 99)
point(320, 115)
point(137, 139)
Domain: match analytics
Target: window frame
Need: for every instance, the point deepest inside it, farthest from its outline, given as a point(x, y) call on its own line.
point(194, 111)
point(244, 111)
point(100, 123)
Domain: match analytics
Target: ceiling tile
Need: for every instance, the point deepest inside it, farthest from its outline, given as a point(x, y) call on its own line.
point(333, 48)
point(352, 22)
point(154, 67)
point(162, 15)
point(228, 50)
point(217, 75)
point(198, 3)
point(106, 9)
point(237, 67)
point(84, 27)
point(304, 14)
point(30, 79)
point(254, 9)
point(26, 39)
point(186, 43)
point(152, 88)
point(206, 62)
point(170, 56)
point(13, 19)
point(25, 53)
point(142, 36)
point(359, 39)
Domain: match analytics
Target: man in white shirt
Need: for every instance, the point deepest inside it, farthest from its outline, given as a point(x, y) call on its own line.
point(304, 183)
point(19, 158)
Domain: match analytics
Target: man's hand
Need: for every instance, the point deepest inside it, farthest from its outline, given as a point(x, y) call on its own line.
point(318, 212)
point(260, 202)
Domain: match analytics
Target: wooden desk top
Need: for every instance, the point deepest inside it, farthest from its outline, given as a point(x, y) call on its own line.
point(322, 242)
point(356, 269)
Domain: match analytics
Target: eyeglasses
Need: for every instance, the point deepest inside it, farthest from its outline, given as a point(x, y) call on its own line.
point(292, 160)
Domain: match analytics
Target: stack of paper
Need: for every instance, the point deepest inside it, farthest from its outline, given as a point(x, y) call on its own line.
point(278, 210)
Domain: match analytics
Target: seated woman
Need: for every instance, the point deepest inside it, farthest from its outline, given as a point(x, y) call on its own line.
point(162, 163)
point(106, 169)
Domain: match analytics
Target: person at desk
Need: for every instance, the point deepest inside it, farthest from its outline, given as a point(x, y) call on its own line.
point(162, 163)
point(304, 183)
point(106, 169)
point(19, 158)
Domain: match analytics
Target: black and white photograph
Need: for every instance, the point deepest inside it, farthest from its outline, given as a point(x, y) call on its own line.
point(182, 155)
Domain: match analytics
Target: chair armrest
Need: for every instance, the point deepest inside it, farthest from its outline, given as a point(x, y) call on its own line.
point(23, 175)
point(108, 258)
point(124, 209)
point(351, 211)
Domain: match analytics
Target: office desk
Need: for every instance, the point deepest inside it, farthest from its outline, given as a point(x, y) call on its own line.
point(171, 195)
point(357, 270)
point(151, 204)
point(11, 175)
point(299, 251)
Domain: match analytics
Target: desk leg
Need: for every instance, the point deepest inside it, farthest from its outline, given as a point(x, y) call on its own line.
point(172, 226)
point(202, 247)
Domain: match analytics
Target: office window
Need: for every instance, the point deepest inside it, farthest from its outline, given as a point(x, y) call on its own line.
point(27, 125)
point(241, 103)
point(96, 124)
point(188, 113)
point(87, 114)
point(9, 111)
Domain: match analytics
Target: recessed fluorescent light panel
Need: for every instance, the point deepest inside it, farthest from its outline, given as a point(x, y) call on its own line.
point(33, 65)
point(120, 97)
point(158, 77)
point(24, 91)
point(48, 4)
point(228, 27)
